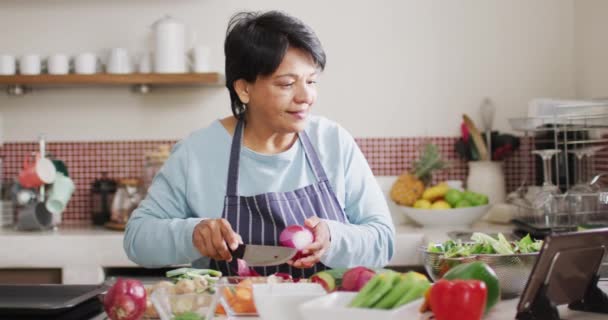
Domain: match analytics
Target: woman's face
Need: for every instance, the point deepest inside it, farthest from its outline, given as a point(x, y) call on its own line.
point(282, 101)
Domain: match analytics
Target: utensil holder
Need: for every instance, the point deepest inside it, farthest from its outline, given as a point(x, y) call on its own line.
point(487, 177)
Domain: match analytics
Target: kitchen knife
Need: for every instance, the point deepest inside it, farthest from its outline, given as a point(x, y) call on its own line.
point(263, 256)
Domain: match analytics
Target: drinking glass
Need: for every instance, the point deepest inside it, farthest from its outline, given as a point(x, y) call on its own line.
point(580, 199)
point(547, 201)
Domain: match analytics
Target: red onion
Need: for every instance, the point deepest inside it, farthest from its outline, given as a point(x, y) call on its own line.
point(297, 237)
point(125, 300)
point(244, 270)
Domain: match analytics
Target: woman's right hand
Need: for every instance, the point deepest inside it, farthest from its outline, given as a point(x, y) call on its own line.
point(211, 237)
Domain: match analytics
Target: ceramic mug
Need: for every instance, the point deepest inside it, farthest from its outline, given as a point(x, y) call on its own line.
point(86, 63)
point(58, 64)
point(200, 59)
point(30, 64)
point(33, 175)
point(119, 61)
point(8, 65)
point(145, 63)
point(60, 194)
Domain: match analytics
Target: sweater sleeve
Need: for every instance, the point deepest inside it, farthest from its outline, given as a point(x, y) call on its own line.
point(368, 238)
point(159, 232)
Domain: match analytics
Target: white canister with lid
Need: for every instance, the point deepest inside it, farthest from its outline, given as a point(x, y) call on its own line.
point(170, 46)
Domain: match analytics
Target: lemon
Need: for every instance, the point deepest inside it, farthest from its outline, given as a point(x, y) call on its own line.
point(422, 204)
point(440, 205)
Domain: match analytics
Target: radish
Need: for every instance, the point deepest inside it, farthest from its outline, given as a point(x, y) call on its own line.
point(125, 300)
point(297, 237)
point(355, 278)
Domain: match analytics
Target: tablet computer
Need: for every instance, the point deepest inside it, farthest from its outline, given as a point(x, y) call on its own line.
point(566, 270)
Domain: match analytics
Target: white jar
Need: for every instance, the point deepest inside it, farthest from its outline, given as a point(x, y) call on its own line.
point(488, 178)
point(170, 46)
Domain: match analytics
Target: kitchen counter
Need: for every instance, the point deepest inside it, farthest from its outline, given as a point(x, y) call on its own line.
point(504, 310)
point(82, 253)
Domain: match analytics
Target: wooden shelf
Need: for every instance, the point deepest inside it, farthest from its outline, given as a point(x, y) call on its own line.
point(212, 78)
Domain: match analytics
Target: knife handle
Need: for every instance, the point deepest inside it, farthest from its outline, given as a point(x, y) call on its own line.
point(239, 252)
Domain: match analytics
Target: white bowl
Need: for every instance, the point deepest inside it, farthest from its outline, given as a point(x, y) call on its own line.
point(335, 306)
point(460, 217)
point(280, 300)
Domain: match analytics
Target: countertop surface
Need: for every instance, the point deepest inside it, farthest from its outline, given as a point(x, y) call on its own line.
point(82, 252)
point(504, 310)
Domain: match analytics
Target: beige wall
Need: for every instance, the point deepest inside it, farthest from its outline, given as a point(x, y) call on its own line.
point(591, 51)
point(395, 68)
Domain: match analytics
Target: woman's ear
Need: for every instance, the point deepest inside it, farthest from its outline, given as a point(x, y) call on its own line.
point(242, 90)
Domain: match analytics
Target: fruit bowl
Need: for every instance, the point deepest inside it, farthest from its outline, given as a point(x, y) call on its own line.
point(456, 217)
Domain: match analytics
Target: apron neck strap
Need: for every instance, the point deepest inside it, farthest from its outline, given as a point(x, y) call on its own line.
point(235, 156)
point(312, 157)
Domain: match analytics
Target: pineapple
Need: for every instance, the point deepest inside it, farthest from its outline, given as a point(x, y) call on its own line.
point(409, 187)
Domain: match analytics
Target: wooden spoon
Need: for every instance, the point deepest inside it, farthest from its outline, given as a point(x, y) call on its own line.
point(479, 144)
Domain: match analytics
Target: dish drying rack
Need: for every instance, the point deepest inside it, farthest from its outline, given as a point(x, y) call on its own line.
point(574, 125)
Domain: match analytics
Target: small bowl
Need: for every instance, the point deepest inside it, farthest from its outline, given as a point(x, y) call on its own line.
point(168, 305)
point(235, 294)
point(456, 217)
point(335, 306)
point(512, 270)
point(278, 301)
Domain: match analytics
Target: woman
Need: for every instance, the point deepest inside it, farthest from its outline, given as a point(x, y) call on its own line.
point(269, 165)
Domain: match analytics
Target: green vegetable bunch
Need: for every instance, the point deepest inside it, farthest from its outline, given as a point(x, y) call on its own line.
point(485, 244)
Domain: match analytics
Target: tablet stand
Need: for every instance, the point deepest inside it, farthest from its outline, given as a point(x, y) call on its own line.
point(595, 299)
point(541, 308)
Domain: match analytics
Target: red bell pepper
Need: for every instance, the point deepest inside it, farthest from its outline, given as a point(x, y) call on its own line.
point(458, 299)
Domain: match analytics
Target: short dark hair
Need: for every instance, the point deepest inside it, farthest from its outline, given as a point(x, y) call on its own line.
point(256, 43)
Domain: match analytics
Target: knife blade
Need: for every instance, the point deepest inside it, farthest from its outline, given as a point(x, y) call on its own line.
point(263, 256)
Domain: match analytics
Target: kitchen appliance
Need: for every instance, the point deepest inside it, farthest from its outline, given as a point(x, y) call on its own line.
point(102, 196)
point(263, 256)
point(170, 45)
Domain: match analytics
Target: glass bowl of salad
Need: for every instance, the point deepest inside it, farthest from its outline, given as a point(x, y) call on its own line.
point(511, 260)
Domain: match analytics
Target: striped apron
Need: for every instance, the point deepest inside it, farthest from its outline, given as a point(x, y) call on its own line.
point(260, 219)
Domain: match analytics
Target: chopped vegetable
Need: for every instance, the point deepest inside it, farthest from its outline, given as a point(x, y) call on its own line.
point(188, 316)
point(190, 280)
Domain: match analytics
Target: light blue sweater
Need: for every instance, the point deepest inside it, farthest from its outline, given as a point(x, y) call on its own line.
point(192, 184)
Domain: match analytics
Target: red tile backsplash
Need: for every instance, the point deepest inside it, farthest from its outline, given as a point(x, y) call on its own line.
point(86, 161)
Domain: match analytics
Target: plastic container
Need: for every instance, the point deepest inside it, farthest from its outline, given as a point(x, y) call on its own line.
point(278, 301)
point(169, 305)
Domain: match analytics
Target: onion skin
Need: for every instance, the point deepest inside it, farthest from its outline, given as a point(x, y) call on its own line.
point(125, 300)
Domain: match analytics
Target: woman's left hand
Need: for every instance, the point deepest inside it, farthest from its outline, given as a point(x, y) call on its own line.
point(317, 249)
